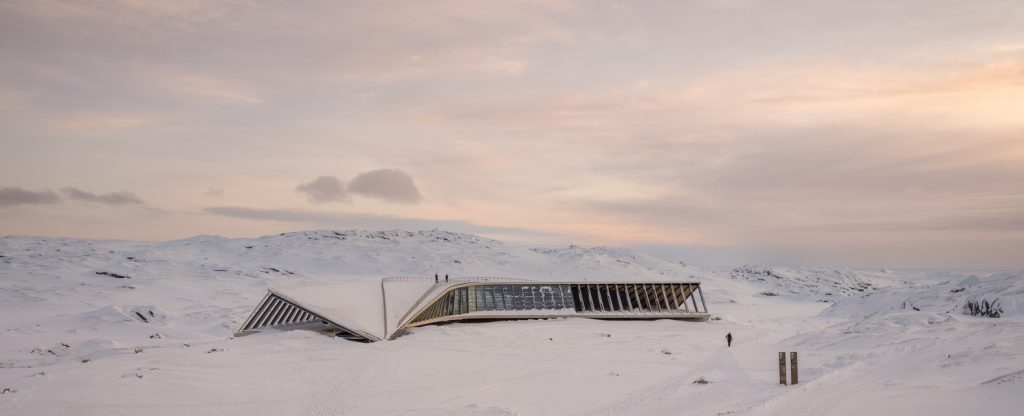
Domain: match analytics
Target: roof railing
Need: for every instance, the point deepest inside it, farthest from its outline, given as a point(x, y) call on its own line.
point(461, 279)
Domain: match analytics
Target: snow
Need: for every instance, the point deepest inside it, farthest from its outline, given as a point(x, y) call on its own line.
point(158, 342)
point(356, 305)
point(402, 295)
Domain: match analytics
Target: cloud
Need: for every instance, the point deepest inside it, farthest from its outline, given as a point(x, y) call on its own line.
point(101, 123)
point(112, 198)
point(324, 189)
point(214, 192)
point(390, 185)
point(370, 221)
point(220, 90)
point(999, 221)
point(17, 196)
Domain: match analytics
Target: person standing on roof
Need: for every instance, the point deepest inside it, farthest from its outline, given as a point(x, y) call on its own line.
point(728, 339)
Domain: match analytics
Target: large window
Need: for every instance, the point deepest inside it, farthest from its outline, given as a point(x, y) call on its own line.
point(591, 298)
point(512, 297)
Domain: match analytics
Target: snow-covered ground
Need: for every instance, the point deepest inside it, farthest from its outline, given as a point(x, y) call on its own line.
point(140, 328)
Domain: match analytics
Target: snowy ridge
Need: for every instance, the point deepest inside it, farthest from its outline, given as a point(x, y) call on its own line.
point(945, 297)
point(821, 282)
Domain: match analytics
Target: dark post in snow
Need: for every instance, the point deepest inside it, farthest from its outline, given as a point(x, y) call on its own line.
point(782, 368)
point(792, 365)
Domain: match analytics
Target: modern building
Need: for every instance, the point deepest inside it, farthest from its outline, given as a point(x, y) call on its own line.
point(384, 309)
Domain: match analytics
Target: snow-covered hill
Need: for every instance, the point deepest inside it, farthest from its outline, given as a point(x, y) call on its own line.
point(108, 327)
point(816, 282)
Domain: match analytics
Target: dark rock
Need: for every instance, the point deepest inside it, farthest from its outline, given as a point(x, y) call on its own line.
point(114, 275)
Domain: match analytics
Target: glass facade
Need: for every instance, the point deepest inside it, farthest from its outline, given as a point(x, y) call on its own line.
point(509, 297)
point(591, 299)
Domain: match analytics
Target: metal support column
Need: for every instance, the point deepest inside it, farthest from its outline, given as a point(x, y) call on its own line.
point(693, 296)
point(590, 296)
point(664, 296)
point(675, 301)
point(701, 293)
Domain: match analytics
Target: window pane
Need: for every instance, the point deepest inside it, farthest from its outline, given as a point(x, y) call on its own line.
point(499, 300)
point(556, 297)
point(517, 297)
point(465, 299)
point(507, 291)
point(488, 297)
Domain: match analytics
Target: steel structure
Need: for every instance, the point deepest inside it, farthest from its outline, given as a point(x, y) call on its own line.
point(612, 300)
point(495, 299)
point(275, 311)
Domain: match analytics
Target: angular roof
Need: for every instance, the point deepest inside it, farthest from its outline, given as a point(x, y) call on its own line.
point(378, 309)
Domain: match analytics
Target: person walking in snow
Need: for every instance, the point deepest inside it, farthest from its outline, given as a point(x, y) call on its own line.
point(728, 339)
point(435, 277)
point(446, 278)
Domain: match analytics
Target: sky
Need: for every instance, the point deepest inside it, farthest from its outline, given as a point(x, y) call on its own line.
point(863, 134)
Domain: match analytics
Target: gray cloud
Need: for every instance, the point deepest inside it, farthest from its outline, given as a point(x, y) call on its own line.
point(324, 189)
point(390, 185)
point(112, 198)
point(1005, 221)
point(370, 221)
point(17, 196)
point(214, 192)
point(743, 222)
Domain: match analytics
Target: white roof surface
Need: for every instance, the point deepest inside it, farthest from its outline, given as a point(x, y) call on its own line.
point(359, 304)
point(356, 305)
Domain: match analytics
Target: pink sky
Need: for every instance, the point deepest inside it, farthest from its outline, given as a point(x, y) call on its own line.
point(869, 133)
